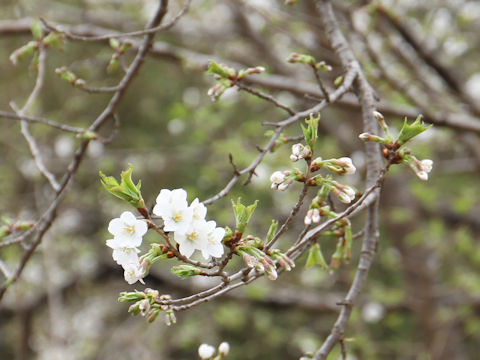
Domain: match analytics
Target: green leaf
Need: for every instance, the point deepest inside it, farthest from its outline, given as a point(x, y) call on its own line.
point(311, 131)
point(409, 131)
point(242, 214)
point(126, 190)
point(315, 257)
point(271, 231)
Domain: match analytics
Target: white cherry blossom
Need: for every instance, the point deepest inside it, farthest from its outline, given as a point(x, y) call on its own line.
point(194, 238)
point(133, 273)
point(127, 230)
point(214, 245)
point(172, 206)
point(199, 210)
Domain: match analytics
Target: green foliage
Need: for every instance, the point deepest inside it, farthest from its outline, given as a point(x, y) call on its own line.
point(409, 131)
point(126, 190)
point(242, 214)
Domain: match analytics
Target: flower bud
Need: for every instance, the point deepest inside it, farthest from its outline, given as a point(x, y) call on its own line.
point(206, 351)
point(316, 216)
point(224, 348)
point(308, 218)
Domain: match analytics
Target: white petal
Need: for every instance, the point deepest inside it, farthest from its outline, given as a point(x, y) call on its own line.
point(141, 228)
point(125, 256)
point(187, 248)
point(128, 218)
point(115, 226)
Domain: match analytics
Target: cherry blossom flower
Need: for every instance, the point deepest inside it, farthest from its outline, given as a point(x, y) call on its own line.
point(172, 206)
point(133, 273)
point(215, 236)
point(199, 210)
point(194, 238)
point(127, 230)
point(123, 255)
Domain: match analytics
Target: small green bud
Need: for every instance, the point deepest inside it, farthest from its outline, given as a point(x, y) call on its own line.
point(221, 70)
point(186, 271)
point(26, 50)
point(114, 43)
point(66, 75)
point(338, 81)
point(57, 40)
point(271, 231)
point(131, 296)
point(37, 30)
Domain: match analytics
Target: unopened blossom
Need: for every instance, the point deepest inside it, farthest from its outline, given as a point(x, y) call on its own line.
point(214, 245)
point(172, 206)
point(224, 348)
point(127, 230)
point(133, 272)
point(308, 217)
point(313, 216)
point(300, 152)
point(347, 164)
point(206, 351)
point(345, 193)
point(280, 180)
point(422, 168)
point(195, 237)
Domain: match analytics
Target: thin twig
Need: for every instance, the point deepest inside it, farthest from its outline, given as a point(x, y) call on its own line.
point(147, 31)
point(32, 143)
point(39, 120)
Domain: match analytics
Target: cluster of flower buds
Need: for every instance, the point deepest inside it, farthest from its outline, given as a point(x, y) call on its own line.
point(227, 76)
point(308, 60)
point(282, 259)
point(207, 352)
point(421, 167)
point(255, 258)
point(120, 49)
point(340, 166)
point(53, 39)
point(70, 77)
point(394, 149)
point(345, 193)
point(148, 304)
point(300, 152)
point(281, 179)
point(11, 227)
point(312, 217)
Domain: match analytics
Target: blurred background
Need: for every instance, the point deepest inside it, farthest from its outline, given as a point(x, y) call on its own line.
point(422, 299)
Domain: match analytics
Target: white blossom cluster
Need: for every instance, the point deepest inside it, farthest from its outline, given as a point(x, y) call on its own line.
point(127, 234)
point(190, 229)
point(187, 223)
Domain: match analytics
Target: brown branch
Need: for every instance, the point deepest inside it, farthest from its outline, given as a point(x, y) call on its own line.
point(366, 97)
